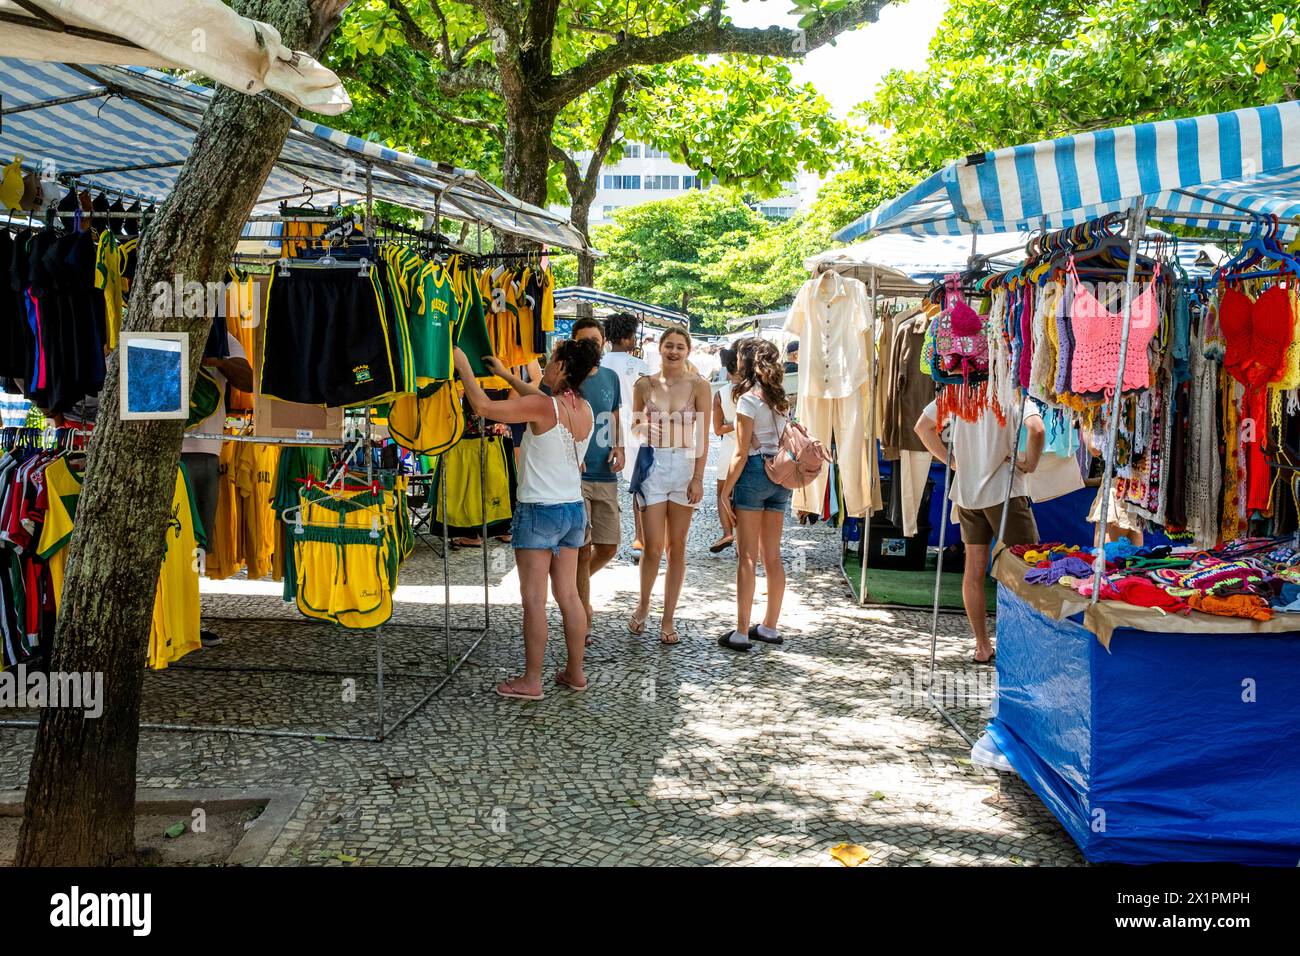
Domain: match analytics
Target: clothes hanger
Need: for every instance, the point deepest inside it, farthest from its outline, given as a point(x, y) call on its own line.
point(116, 219)
point(294, 516)
point(131, 225)
point(1262, 244)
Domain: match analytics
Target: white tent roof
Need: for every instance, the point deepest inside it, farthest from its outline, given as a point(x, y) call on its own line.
point(905, 264)
point(607, 303)
point(128, 130)
point(767, 320)
point(201, 35)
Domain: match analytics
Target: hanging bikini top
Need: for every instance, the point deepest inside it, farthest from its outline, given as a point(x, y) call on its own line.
point(1256, 333)
point(1097, 335)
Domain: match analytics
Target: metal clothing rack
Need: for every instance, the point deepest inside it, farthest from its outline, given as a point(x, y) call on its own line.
point(453, 664)
point(481, 632)
point(938, 570)
point(864, 540)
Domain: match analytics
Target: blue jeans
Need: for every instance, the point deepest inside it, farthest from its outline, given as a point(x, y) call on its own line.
point(755, 491)
point(549, 527)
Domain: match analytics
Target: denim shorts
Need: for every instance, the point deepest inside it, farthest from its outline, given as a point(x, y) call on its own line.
point(549, 527)
point(755, 491)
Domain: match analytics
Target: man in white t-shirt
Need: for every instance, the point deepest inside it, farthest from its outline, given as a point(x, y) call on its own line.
point(202, 456)
point(981, 459)
point(620, 333)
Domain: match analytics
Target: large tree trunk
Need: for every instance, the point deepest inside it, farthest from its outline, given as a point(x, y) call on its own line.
point(579, 215)
point(527, 159)
point(80, 807)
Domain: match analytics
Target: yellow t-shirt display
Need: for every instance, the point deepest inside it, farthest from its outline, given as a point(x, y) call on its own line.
point(225, 553)
point(176, 601)
point(175, 629)
point(63, 488)
point(254, 480)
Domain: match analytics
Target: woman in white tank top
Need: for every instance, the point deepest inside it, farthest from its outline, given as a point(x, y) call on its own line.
point(550, 520)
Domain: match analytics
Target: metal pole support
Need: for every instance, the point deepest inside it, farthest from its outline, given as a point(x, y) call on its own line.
point(1137, 223)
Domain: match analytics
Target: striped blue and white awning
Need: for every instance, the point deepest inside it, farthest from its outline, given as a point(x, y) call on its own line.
point(128, 130)
point(1243, 162)
point(607, 303)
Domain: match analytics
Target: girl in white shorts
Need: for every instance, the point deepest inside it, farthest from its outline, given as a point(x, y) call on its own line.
point(670, 410)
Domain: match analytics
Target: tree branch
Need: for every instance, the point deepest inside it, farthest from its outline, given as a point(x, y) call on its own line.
point(705, 36)
point(469, 79)
point(446, 35)
point(380, 90)
point(459, 79)
point(498, 13)
point(470, 44)
point(572, 175)
point(617, 107)
point(414, 33)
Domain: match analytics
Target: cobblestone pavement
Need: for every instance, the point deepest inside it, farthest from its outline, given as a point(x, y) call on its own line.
point(675, 755)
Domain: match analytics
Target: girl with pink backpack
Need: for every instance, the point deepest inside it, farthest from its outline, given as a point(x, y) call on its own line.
point(773, 456)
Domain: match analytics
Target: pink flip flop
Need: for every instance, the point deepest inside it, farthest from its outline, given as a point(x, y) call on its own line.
point(562, 679)
point(513, 694)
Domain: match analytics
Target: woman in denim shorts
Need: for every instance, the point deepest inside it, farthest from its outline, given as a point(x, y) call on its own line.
point(550, 520)
point(758, 504)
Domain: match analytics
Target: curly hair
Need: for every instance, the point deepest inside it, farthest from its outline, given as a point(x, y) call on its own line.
point(621, 327)
point(758, 364)
point(579, 358)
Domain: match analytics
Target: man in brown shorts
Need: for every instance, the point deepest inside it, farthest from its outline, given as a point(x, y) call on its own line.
point(981, 457)
point(600, 469)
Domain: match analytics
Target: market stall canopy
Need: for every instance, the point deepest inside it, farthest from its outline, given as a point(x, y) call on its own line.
point(1241, 164)
point(128, 130)
point(605, 304)
point(773, 333)
point(767, 320)
point(907, 265)
point(201, 35)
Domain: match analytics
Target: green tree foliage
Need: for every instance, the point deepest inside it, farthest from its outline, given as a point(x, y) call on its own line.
point(742, 120)
point(1003, 73)
point(665, 252)
point(766, 273)
point(714, 252)
point(519, 85)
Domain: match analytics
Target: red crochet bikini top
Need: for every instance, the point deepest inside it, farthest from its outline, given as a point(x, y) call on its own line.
point(1256, 333)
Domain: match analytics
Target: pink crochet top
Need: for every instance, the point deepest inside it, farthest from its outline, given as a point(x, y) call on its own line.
point(1097, 334)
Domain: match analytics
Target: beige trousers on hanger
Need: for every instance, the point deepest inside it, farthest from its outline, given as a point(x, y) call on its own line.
point(845, 420)
point(913, 470)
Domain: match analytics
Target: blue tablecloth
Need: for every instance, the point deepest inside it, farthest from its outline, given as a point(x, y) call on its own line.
point(1167, 747)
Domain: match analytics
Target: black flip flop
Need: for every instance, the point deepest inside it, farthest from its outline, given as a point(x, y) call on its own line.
point(725, 641)
point(754, 635)
point(991, 658)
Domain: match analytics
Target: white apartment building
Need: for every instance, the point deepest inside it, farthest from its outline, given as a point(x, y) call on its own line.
point(645, 174)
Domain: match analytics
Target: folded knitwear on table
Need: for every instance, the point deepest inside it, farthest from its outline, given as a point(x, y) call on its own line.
point(1253, 578)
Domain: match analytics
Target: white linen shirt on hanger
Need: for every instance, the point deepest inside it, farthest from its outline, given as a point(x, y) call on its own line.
point(831, 316)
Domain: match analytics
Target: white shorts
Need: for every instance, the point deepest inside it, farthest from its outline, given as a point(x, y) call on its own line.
point(669, 475)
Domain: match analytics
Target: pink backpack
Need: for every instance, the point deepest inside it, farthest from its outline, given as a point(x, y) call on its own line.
point(799, 458)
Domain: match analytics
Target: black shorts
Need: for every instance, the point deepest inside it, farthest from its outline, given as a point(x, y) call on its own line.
point(331, 337)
